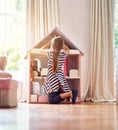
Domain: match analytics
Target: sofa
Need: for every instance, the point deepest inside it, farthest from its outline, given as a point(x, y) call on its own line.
point(8, 87)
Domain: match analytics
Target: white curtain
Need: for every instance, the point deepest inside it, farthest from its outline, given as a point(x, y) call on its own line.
point(42, 17)
point(101, 66)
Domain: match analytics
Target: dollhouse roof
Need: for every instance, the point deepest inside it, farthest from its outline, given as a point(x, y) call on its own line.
point(53, 33)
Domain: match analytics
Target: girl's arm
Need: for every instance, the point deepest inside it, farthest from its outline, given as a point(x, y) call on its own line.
point(66, 48)
point(46, 46)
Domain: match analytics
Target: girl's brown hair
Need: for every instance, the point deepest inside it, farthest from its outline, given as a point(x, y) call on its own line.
point(57, 45)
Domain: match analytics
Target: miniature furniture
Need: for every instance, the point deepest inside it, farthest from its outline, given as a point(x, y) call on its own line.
point(8, 87)
point(37, 64)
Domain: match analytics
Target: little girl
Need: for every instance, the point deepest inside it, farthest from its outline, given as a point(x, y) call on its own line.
point(56, 85)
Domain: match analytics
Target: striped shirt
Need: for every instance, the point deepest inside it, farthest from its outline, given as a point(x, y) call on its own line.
point(55, 80)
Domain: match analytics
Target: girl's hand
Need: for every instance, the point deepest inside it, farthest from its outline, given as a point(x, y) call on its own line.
point(66, 48)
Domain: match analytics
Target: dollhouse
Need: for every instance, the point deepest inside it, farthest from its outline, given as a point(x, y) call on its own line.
point(37, 68)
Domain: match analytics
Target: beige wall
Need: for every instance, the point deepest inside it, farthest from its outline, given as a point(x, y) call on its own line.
point(75, 24)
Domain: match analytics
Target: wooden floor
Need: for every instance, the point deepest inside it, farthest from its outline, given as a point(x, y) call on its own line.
point(84, 116)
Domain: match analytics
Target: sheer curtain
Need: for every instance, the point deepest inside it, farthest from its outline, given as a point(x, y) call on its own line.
point(42, 17)
point(101, 66)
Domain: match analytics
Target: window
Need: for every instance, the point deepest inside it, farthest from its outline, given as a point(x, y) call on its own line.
point(116, 24)
point(12, 35)
point(115, 39)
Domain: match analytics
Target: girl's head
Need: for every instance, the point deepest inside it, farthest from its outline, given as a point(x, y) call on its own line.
point(57, 43)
